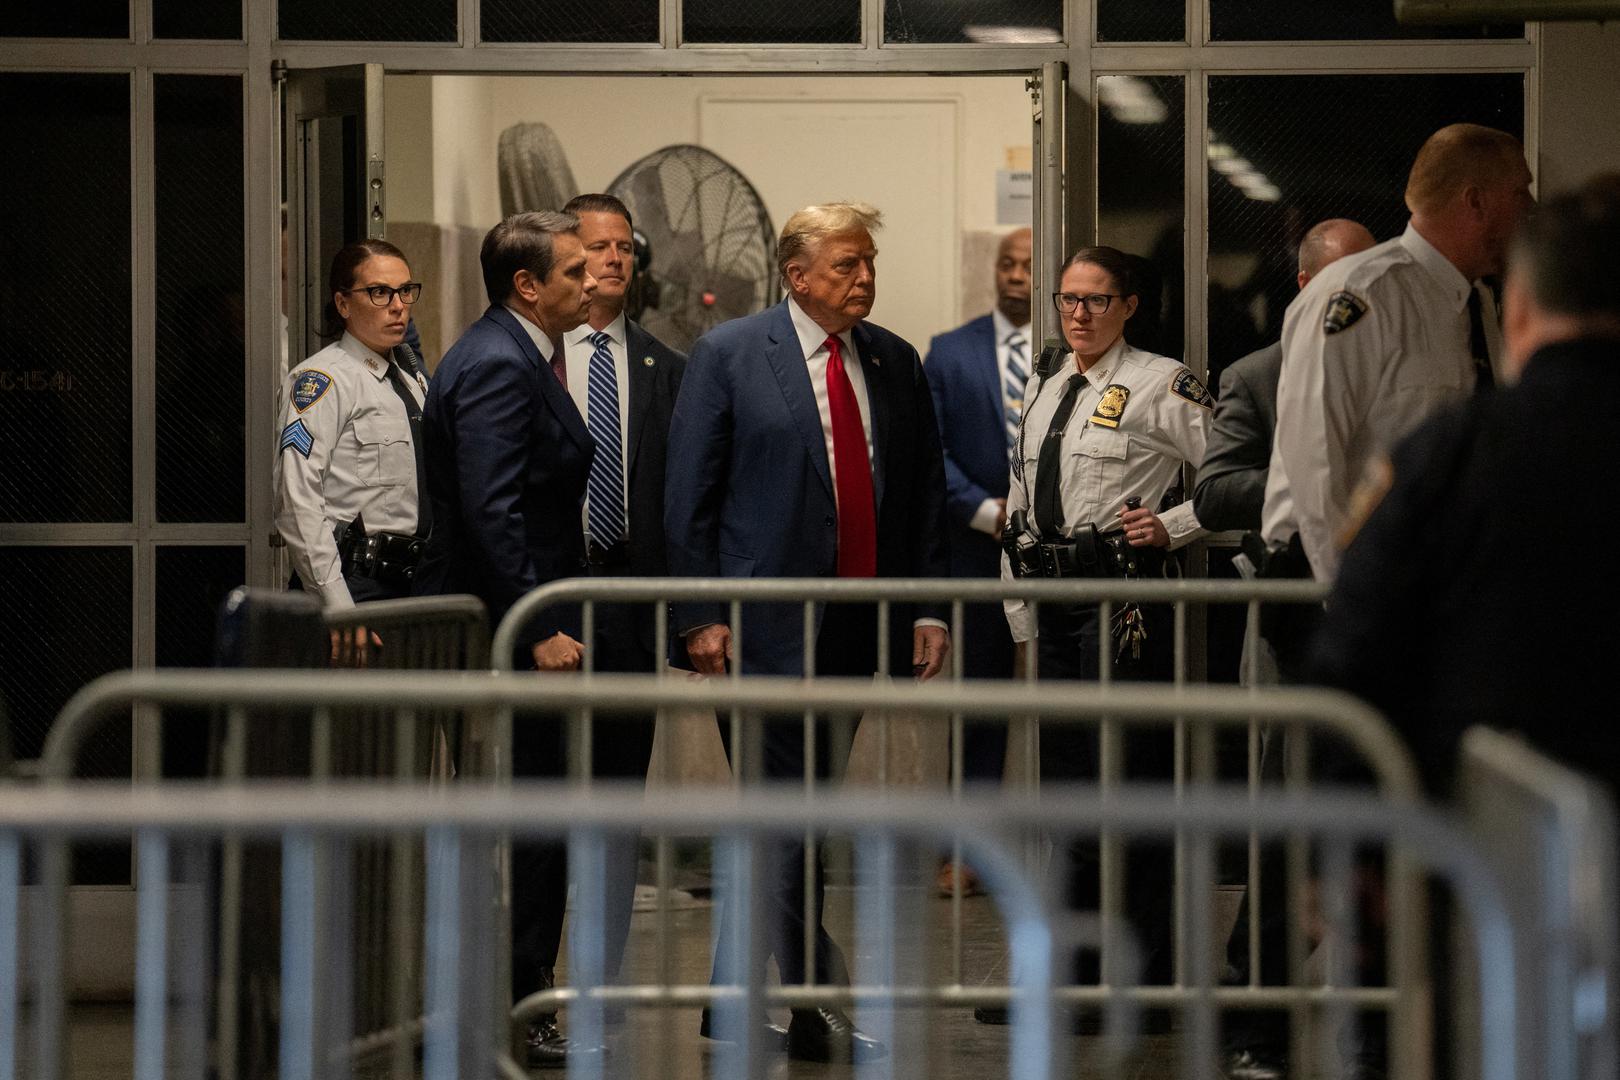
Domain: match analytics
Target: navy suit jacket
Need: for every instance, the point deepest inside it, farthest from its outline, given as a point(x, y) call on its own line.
point(1231, 490)
point(966, 384)
point(749, 492)
point(507, 457)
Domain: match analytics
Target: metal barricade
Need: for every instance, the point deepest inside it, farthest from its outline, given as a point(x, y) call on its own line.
point(312, 828)
point(329, 696)
point(1552, 834)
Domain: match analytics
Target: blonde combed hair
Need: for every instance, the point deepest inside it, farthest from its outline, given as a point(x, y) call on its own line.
point(807, 228)
point(1456, 157)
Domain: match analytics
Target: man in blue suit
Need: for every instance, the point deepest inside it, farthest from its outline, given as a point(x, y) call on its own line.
point(977, 374)
point(507, 456)
point(803, 444)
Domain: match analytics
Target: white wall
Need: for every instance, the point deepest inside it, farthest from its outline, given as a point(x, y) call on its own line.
point(922, 289)
point(1580, 94)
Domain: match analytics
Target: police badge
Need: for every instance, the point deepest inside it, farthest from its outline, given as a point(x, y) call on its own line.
point(1111, 406)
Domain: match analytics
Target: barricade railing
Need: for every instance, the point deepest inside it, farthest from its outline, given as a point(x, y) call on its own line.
point(421, 633)
point(1551, 833)
point(400, 697)
point(314, 828)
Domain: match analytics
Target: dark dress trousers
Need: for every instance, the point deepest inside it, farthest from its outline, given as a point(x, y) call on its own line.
point(966, 385)
point(507, 457)
point(750, 495)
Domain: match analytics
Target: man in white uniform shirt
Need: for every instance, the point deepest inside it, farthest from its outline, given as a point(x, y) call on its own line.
point(1379, 341)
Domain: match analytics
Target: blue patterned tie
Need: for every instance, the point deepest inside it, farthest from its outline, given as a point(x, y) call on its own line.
point(605, 514)
point(1012, 392)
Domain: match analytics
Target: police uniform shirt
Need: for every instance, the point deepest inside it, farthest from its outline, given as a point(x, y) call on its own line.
point(345, 451)
point(578, 350)
point(1138, 418)
point(1372, 346)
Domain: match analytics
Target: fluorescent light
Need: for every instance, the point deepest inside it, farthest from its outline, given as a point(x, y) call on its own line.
point(1012, 35)
point(1131, 100)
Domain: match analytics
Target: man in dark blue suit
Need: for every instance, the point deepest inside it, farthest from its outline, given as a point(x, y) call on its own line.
point(803, 445)
point(507, 456)
point(977, 374)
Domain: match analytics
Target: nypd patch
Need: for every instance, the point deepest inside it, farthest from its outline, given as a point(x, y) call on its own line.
point(297, 436)
point(1343, 310)
point(308, 386)
point(1185, 384)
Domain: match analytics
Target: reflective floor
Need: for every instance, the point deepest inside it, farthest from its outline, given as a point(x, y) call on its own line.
point(651, 1044)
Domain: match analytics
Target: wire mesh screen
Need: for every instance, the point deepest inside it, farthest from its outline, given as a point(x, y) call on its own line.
point(65, 616)
point(570, 20)
point(1141, 20)
point(1342, 20)
point(218, 20)
point(65, 299)
point(1273, 174)
point(191, 583)
point(983, 22)
point(69, 19)
point(811, 22)
point(201, 354)
point(368, 20)
point(1141, 196)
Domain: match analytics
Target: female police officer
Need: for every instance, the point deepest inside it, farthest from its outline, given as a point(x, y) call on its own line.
point(348, 488)
point(1107, 424)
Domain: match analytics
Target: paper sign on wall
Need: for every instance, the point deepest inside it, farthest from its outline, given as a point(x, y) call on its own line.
point(1015, 196)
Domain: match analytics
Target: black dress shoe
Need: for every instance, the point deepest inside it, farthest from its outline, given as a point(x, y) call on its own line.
point(772, 1037)
point(995, 1015)
point(828, 1035)
point(548, 1048)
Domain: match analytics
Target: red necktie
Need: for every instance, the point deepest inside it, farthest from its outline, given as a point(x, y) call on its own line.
point(559, 363)
point(857, 510)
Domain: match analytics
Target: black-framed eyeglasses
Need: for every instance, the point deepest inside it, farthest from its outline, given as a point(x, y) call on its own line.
point(1096, 303)
point(383, 295)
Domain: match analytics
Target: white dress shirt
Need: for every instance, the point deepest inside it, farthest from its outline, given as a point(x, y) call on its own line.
point(1138, 450)
point(577, 348)
point(537, 335)
point(984, 518)
point(813, 342)
point(345, 452)
point(1346, 397)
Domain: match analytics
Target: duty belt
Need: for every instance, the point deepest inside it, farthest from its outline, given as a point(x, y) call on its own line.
point(1094, 555)
point(390, 558)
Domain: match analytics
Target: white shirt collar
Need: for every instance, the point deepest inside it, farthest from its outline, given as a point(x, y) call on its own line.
point(581, 334)
point(1106, 365)
point(537, 335)
point(375, 363)
point(811, 335)
point(1003, 326)
point(1447, 276)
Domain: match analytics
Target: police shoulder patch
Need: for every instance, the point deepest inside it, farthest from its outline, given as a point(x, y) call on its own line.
point(308, 386)
point(1343, 309)
point(297, 436)
point(1185, 384)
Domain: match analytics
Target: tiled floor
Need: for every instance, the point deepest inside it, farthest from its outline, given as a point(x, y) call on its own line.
point(943, 1044)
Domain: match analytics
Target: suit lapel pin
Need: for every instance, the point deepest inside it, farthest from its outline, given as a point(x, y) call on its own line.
point(647, 360)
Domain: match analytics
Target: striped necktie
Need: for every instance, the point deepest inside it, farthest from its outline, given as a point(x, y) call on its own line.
point(1012, 391)
point(605, 513)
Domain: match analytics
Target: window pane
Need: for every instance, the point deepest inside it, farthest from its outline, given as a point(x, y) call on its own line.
point(1273, 175)
point(191, 582)
point(368, 20)
point(1141, 20)
point(65, 615)
point(989, 22)
point(807, 22)
point(200, 349)
point(65, 299)
point(1342, 20)
point(1141, 197)
point(569, 20)
point(69, 19)
point(201, 19)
